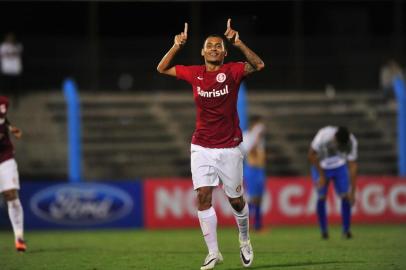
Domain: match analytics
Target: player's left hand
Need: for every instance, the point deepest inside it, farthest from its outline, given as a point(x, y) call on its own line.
point(321, 183)
point(231, 34)
point(16, 132)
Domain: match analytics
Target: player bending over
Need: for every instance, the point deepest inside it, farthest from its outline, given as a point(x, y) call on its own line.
point(333, 155)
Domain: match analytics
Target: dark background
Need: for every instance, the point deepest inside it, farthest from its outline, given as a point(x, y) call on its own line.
point(305, 44)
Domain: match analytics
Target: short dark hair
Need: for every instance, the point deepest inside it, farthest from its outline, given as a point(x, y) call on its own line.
point(342, 136)
point(218, 36)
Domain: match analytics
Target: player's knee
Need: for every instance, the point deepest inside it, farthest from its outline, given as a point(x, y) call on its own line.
point(10, 195)
point(237, 203)
point(256, 200)
point(204, 196)
point(345, 197)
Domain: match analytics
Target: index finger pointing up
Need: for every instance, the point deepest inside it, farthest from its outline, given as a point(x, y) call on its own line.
point(229, 23)
point(185, 30)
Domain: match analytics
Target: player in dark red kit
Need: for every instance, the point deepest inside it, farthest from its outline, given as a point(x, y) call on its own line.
point(9, 182)
point(215, 152)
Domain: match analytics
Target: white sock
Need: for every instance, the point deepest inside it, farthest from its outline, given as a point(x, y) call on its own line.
point(242, 219)
point(15, 213)
point(208, 224)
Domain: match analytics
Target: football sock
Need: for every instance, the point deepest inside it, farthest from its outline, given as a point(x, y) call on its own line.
point(15, 212)
point(242, 219)
point(251, 208)
point(258, 217)
point(322, 215)
point(346, 215)
point(252, 217)
point(208, 224)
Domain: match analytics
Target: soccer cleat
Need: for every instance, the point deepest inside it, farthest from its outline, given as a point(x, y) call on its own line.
point(347, 235)
point(325, 236)
point(246, 253)
point(211, 260)
point(20, 245)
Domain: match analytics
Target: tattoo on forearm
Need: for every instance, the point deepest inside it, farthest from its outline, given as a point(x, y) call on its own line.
point(253, 60)
point(249, 68)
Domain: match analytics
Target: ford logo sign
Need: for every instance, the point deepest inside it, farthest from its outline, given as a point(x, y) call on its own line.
point(81, 204)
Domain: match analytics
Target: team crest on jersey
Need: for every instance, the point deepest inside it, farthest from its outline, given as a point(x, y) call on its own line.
point(221, 77)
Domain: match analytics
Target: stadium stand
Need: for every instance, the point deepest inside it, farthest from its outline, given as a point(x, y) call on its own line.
point(42, 151)
point(147, 134)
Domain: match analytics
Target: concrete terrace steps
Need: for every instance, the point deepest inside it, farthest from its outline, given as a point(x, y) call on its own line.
point(148, 133)
point(113, 171)
point(122, 135)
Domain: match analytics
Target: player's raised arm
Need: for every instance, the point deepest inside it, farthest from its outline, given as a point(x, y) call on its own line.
point(254, 62)
point(165, 65)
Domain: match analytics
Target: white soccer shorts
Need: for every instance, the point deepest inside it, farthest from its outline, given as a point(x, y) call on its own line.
point(211, 165)
point(9, 175)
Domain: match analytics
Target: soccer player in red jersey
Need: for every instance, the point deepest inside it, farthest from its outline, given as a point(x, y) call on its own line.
point(215, 152)
point(9, 182)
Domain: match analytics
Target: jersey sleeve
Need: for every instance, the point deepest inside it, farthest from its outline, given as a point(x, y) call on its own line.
point(237, 69)
point(317, 141)
point(184, 73)
point(353, 155)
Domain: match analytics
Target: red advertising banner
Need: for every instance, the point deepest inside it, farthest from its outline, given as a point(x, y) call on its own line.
point(171, 203)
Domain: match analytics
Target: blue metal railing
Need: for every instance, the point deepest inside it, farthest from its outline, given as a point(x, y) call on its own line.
point(242, 107)
point(400, 92)
point(74, 130)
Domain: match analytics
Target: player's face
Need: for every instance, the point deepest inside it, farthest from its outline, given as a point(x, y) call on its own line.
point(214, 50)
point(3, 110)
point(342, 147)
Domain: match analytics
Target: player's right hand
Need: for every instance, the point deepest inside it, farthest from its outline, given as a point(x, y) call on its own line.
point(231, 34)
point(181, 39)
point(16, 132)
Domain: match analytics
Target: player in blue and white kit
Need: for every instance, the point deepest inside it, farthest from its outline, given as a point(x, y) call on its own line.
point(333, 154)
point(253, 147)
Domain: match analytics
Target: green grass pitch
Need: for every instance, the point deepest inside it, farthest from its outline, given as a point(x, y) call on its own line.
point(373, 247)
